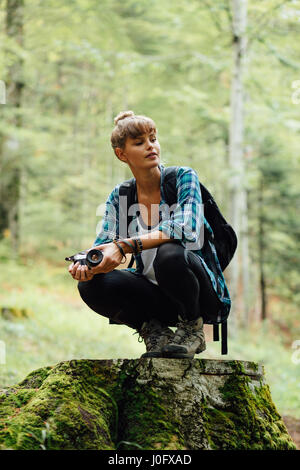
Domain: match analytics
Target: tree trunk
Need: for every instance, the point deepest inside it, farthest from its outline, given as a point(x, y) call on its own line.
point(142, 404)
point(110, 164)
point(245, 260)
point(261, 236)
point(236, 158)
point(10, 154)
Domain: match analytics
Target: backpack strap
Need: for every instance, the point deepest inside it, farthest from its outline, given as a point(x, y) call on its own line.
point(224, 348)
point(131, 262)
point(216, 332)
point(169, 184)
point(128, 189)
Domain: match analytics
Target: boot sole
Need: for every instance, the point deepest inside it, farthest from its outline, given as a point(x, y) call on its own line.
point(153, 354)
point(174, 352)
point(178, 355)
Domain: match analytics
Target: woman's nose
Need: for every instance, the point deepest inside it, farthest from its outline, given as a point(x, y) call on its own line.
point(149, 144)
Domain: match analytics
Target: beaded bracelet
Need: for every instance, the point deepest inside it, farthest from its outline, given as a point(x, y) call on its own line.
point(129, 244)
point(137, 248)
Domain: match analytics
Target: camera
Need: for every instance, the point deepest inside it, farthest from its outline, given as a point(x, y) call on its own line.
point(91, 258)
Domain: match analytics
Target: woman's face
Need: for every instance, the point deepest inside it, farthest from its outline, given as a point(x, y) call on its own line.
point(141, 152)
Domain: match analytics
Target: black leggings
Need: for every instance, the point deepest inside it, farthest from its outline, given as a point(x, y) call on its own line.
point(184, 288)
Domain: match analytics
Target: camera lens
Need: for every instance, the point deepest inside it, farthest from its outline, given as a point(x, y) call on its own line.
point(93, 258)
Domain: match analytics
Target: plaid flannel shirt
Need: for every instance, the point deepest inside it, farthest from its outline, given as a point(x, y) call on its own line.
point(185, 223)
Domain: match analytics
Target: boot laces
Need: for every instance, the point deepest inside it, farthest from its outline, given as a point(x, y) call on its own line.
point(148, 335)
point(187, 328)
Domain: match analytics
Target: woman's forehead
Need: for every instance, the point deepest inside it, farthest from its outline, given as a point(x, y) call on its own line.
point(143, 135)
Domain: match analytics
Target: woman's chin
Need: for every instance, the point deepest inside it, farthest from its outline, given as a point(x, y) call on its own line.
point(152, 161)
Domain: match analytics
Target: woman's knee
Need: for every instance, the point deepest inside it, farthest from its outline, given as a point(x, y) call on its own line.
point(98, 295)
point(88, 289)
point(85, 289)
point(169, 256)
point(103, 288)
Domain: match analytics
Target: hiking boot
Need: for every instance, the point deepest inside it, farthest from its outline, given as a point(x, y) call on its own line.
point(155, 336)
point(188, 340)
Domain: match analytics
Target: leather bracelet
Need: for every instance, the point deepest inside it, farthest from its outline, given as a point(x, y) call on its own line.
point(121, 251)
point(136, 249)
point(129, 244)
point(138, 244)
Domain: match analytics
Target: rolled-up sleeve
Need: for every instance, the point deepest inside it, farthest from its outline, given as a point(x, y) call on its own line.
point(110, 221)
point(185, 220)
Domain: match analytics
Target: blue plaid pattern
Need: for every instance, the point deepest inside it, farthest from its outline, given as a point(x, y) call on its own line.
point(185, 223)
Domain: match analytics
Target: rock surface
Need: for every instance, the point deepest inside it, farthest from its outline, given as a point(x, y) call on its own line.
point(12, 313)
point(142, 403)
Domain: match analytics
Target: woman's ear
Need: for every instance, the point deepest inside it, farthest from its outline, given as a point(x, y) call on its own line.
point(120, 154)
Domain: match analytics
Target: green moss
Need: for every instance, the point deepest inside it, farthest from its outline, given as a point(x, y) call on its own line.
point(248, 420)
point(200, 364)
point(253, 366)
point(35, 378)
point(237, 367)
point(69, 409)
point(146, 419)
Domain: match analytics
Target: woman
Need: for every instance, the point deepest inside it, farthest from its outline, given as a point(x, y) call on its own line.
point(172, 284)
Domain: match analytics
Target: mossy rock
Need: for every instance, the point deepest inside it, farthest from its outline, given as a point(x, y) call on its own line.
point(142, 404)
point(12, 313)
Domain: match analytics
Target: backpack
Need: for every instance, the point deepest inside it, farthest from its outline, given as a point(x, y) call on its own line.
point(223, 237)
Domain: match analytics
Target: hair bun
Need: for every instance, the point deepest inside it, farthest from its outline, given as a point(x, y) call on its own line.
point(123, 115)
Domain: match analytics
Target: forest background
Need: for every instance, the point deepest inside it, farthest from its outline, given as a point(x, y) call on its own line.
point(221, 79)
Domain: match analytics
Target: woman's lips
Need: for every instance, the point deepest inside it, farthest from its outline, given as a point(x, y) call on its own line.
point(152, 155)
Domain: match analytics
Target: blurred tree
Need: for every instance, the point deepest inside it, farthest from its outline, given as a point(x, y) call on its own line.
point(11, 167)
point(277, 230)
point(238, 195)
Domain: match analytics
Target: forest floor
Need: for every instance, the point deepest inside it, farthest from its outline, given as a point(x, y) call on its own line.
point(293, 427)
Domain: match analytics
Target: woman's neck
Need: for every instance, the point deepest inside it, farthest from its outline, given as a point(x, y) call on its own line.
point(148, 181)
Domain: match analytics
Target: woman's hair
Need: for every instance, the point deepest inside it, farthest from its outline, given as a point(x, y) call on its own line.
point(127, 124)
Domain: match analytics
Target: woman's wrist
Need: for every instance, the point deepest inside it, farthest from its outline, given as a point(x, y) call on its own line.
point(120, 248)
point(128, 245)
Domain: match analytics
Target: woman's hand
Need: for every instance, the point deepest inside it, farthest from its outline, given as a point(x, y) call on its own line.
point(111, 259)
point(80, 272)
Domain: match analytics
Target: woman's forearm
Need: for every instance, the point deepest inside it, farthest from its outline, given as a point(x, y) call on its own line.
point(149, 240)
